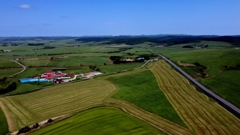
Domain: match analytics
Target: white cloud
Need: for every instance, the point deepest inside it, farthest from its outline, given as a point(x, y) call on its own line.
point(24, 6)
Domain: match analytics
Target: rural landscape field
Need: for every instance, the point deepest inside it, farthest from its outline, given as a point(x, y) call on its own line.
point(135, 92)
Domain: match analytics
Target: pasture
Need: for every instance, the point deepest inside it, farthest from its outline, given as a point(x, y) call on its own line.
point(142, 90)
point(226, 85)
point(7, 64)
point(77, 61)
point(112, 68)
point(8, 72)
point(102, 120)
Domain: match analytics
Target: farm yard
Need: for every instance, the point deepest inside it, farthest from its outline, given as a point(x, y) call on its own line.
point(154, 99)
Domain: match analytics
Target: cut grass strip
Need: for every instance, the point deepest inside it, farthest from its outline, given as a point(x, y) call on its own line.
point(142, 90)
point(102, 120)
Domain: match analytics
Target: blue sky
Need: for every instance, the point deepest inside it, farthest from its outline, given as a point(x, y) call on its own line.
point(118, 17)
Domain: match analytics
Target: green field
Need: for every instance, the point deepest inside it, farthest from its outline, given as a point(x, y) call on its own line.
point(119, 67)
point(223, 82)
point(3, 123)
point(142, 90)
point(226, 85)
point(35, 62)
point(199, 113)
point(100, 121)
point(77, 61)
point(7, 64)
point(8, 72)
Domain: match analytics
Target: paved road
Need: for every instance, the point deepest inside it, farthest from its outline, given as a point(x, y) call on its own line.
point(221, 101)
point(24, 68)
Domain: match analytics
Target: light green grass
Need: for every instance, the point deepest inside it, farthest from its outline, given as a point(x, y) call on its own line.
point(8, 64)
point(226, 85)
point(214, 59)
point(142, 90)
point(8, 72)
point(119, 67)
point(35, 62)
point(3, 123)
point(77, 61)
point(100, 121)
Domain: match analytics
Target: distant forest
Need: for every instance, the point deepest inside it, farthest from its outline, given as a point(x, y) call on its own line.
point(132, 40)
point(168, 40)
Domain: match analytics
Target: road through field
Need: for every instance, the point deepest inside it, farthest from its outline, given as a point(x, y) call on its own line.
point(24, 68)
point(201, 115)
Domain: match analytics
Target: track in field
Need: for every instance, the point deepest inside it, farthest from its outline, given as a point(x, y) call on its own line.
point(201, 115)
point(33, 107)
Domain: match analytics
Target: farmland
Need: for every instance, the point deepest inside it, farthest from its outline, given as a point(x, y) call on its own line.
point(147, 95)
point(103, 120)
point(152, 100)
point(221, 69)
point(201, 115)
point(37, 106)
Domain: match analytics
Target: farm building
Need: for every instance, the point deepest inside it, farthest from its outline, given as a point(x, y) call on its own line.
point(30, 80)
point(140, 59)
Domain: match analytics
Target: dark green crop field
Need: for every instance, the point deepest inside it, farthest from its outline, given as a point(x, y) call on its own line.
point(142, 90)
point(100, 121)
point(3, 123)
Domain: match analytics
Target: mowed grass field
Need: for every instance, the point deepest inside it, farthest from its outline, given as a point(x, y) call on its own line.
point(3, 123)
point(33, 107)
point(100, 121)
point(223, 82)
point(201, 115)
point(142, 90)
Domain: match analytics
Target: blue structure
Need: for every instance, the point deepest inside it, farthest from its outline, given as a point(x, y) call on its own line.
point(30, 80)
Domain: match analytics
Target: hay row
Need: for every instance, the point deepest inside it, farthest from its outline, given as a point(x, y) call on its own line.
point(201, 115)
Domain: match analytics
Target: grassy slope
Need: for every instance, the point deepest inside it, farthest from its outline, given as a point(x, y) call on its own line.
point(215, 59)
point(142, 90)
point(226, 85)
point(104, 120)
point(3, 123)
